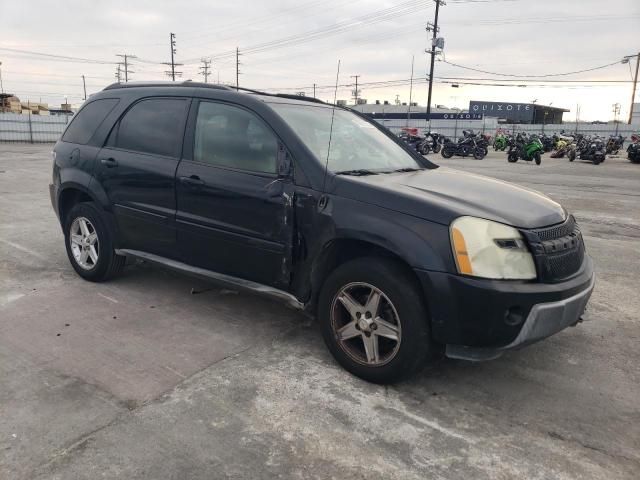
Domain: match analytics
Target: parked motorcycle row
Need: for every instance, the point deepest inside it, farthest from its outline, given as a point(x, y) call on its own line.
point(524, 146)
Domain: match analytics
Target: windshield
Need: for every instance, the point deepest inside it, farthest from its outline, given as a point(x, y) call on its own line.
point(356, 145)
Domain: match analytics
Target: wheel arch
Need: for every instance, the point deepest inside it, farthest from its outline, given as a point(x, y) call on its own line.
point(340, 250)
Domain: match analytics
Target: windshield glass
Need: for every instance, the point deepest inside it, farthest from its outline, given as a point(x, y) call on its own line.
point(356, 145)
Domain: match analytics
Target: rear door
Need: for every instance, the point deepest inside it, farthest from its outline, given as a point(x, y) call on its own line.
point(137, 171)
point(234, 213)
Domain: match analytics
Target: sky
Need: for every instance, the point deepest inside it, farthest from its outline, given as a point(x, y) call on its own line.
point(288, 45)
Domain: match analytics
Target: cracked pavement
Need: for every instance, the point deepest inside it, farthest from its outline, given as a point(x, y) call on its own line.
point(159, 376)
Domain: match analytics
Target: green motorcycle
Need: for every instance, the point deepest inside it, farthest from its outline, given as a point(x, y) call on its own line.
point(525, 148)
point(500, 143)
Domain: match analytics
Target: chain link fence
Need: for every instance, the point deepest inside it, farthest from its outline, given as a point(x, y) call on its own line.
point(27, 128)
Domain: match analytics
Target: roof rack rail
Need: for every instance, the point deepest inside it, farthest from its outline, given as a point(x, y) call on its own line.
point(280, 95)
point(186, 83)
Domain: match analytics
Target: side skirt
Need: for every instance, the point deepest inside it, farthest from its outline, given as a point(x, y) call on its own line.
point(221, 278)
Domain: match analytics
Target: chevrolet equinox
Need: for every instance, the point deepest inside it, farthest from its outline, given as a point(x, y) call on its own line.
point(399, 259)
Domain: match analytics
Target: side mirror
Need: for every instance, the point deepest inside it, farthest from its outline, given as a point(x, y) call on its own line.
point(284, 163)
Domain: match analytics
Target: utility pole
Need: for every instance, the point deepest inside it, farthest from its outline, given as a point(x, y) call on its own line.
point(356, 93)
point(434, 43)
point(314, 90)
point(126, 65)
point(118, 73)
point(172, 73)
point(1, 86)
point(205, 69)
point(410, 91)
point(237, 68)
point(84, 86)
point(635, 82)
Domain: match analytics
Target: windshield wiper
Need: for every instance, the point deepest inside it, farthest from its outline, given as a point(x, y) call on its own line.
point(406, 169)
point(358, 172)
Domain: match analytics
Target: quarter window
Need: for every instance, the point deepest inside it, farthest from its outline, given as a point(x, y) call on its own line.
point(232, 137)
point(87, 120)
point(153, 126)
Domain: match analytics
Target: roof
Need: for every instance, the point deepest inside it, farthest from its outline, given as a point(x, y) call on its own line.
point(190, 84)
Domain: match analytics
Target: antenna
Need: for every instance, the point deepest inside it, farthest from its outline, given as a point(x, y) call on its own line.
point(333, 111)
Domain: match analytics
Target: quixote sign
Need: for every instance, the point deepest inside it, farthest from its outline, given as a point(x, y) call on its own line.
point(512, 111)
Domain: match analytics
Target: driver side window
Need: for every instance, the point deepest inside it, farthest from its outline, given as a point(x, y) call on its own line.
point(230, 136)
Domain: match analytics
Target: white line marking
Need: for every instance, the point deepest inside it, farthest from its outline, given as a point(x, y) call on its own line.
point(108, 298)
point(176, 372)
point(23, 249)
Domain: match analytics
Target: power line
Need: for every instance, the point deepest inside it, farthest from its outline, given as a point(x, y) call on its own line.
point(531, 76)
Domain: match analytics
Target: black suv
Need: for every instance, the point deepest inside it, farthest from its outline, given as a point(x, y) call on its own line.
point(316, 204)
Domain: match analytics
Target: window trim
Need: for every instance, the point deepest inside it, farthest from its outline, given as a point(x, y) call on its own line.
point(191, 140)
point(116, 127)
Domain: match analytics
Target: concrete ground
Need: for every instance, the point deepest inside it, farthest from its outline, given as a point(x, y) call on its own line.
point(159, 376)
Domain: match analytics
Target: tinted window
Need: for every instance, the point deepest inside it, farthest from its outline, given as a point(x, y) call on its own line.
point(232, 137)
point(88, 119)
point(153, 126)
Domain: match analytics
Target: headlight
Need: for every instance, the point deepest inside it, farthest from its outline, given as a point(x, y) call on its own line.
point(487, 249)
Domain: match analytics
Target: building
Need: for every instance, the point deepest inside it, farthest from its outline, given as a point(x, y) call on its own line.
point(635, 115)
point(510, 112)
point(9, 103)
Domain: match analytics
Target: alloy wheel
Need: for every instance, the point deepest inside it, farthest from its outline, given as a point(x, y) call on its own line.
point(366, 324)
point(84, 243)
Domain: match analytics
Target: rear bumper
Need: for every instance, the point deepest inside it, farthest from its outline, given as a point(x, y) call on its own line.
point(53, 193)
point(479, 319)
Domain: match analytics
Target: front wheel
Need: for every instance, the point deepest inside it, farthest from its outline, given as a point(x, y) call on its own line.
point(572, 155)
point(374, 320)
point(538, 158)
point(512, 157)
point(479, 153)
point(89, 244)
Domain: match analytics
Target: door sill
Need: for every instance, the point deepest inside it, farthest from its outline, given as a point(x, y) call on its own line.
point(226, 280)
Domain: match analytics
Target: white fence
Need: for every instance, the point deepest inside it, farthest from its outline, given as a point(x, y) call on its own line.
point(32, 128)
point(453, 128)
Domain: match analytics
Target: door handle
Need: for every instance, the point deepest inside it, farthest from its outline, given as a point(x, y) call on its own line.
point(109, 162)
point(192, 181)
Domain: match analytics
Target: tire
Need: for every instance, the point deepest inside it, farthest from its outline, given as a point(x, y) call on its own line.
point(101, 263)
point(479, 153)
point(597, 160)
point(447, 153)
point(401, 304)
point(538, 158)
point(437, 148)
point(512, 157)
point(572, 155)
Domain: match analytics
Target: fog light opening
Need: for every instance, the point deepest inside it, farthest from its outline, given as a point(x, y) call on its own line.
point(514, 316)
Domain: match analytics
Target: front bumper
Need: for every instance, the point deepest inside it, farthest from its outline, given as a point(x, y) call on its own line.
point(479, 319)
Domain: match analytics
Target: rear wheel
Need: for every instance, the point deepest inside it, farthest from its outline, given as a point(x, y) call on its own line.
point(89, 244)
point(374, 320)
point(447, 152)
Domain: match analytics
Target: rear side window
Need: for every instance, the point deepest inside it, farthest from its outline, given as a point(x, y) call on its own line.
point(154, 126)
point(88, 119)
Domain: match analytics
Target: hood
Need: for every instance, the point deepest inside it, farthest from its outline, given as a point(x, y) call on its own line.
point(441, 195)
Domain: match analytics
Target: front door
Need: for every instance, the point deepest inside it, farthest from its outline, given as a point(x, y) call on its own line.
point(233, 211)
point(137, 171)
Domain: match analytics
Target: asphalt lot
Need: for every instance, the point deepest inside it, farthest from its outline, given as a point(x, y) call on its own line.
point(159, 376)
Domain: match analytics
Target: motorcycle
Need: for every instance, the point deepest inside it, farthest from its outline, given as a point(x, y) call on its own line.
point(500, 142)
point(633, 150)
point(590, 149)
point(467, 145)
point(525, 148)
point(562, 147)
point(614, 144)
point(547, 143)
point(432, 142)
point(411, 137)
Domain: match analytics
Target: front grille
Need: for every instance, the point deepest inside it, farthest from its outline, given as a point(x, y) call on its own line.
point(558, 250)
point(554, 233)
